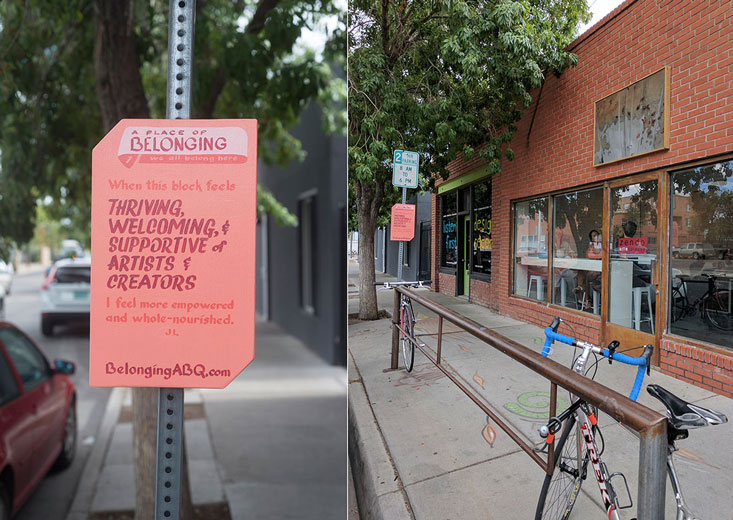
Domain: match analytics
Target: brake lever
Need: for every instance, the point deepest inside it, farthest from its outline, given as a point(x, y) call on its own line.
point(612, 350)
point(555, 323)
point(648, 349)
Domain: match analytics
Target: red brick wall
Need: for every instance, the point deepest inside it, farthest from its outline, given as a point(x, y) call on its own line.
point(447, 284)
point(703, 368)
point(693, 39)
point(483, 293)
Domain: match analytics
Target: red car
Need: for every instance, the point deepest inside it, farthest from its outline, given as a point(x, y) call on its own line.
point(37, 417)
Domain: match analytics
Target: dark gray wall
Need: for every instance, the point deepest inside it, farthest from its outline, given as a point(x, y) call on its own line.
point(409, 272)
point(323, 173)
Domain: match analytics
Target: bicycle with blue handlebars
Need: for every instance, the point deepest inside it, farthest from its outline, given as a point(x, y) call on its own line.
point(577, 445)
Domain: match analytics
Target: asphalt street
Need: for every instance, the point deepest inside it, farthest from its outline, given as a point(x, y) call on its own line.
point(52, 498)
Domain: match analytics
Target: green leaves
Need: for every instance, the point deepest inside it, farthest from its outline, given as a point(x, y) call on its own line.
point(248, 64)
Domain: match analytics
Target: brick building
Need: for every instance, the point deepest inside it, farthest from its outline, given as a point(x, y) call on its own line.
point(617, 212)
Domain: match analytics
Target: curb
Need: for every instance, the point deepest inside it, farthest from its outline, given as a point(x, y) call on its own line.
point(84, 495)
point(379, 491)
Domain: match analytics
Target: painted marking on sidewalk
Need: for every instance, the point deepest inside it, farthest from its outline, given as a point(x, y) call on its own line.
point(535, 405)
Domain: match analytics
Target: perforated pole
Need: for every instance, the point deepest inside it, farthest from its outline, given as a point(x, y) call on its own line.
point(169, 448)
point(402, 244)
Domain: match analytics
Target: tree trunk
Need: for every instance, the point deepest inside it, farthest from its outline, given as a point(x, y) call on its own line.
point(117, 67)
point(368, 201)
point(121, 95)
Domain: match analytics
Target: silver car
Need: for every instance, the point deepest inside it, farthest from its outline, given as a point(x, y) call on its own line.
point(65, 293)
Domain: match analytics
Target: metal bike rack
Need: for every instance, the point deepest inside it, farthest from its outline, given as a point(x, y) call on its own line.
point(650, 425)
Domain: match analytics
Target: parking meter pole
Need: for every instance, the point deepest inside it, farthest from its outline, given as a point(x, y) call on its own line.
point(402, 244)
point(169, 448)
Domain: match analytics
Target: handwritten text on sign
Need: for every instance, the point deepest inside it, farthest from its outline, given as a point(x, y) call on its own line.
point(173, 233)
point(402, 226)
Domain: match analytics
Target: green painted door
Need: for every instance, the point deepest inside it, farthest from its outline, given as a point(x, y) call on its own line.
point(466, 253)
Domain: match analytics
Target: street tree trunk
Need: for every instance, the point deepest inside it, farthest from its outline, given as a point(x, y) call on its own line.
point(369, 196)
point(116, 63)
point(121, 95)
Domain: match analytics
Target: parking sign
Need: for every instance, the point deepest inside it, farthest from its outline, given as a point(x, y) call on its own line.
point(406, 166)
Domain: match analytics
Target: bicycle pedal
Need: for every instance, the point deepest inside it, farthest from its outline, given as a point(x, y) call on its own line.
point(615, 494)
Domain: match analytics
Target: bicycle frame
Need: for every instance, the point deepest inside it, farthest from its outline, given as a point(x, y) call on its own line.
point(588, 441)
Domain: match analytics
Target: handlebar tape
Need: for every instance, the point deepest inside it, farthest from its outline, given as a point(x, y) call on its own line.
point(641, 362)
point(550, 336)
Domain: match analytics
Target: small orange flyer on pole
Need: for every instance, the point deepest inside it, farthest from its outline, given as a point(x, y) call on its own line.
point(173, 253)
point(402, 225)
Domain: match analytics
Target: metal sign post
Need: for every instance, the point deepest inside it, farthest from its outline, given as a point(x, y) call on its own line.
point(404, 174)
point(169, 448)
point(402, 244)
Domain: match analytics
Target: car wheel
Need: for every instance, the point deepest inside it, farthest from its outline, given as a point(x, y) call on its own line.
point(675, 254)
point(695, 255)
point(4, 504)
point(46, 326)
point(68, 448)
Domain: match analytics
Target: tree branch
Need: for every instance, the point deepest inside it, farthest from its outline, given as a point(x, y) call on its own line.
point(257, 23)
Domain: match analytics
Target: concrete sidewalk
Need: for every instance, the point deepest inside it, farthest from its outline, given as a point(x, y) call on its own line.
point(419, 448)
point(272, 445)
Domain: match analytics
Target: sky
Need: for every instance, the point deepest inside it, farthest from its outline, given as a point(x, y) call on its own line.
point(599, 8)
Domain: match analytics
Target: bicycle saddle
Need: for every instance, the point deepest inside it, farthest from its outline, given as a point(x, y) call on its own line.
point(683, 415)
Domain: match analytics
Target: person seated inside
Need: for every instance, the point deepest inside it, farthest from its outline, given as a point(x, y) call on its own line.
point(589, 281)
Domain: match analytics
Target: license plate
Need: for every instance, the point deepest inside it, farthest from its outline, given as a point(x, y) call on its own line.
point(80, 295)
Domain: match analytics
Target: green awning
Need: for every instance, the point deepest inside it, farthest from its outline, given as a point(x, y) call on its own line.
point(465, 179)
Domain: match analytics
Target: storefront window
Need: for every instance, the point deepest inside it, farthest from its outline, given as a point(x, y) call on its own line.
point(577, 250)
point(530, 249)
point(632, 259)
point(482, 228)
point(701, 256)
point(448, 231)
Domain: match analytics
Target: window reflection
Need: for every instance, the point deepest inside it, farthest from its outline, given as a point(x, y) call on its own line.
point(448, 231)
point(701, 253)
point(633, 256)
point(482, 228)
point(530, 249)
point(577, 249)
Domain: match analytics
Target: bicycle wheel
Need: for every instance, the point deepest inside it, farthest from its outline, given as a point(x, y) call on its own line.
point(561, 488)
point(678, 305)
point(408, 347)
point(718, 312)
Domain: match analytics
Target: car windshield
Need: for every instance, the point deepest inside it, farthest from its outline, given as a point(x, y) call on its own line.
point(72, 275)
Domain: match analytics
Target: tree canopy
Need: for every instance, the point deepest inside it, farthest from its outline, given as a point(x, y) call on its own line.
point(443, 78)
point(59, 59)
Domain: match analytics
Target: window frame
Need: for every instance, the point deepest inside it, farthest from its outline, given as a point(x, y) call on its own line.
point(16, 382)
point(308, 199)
point(473, 275)
point(441, 267)
point(550, 245)
point(45, 372)
point(668, 174)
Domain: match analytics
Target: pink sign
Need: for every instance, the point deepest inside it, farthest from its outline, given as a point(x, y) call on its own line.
point(632, 246)
point(173, 234)
point(402, 226)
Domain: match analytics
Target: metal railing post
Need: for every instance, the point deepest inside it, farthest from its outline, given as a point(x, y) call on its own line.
point(395, 330)
point(652, 472)
point(651, 426)
point(440, 337)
